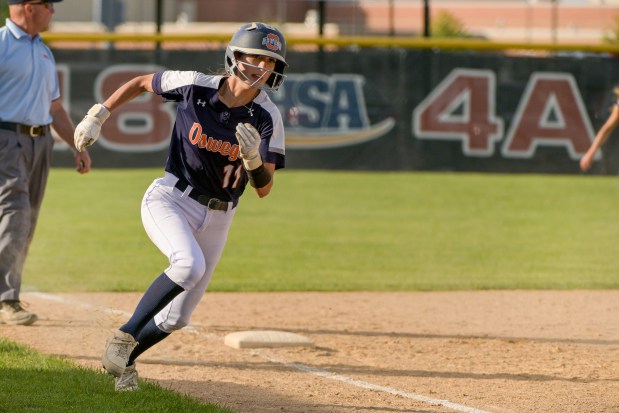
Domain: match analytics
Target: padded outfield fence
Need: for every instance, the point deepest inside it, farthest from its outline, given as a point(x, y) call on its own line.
point(373, 103)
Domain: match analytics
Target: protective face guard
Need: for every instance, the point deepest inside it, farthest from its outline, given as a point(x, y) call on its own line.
point(275, 79)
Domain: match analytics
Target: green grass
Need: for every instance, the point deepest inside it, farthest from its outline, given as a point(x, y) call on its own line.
point(321, 231)
point(345, 231)
point(32, 383)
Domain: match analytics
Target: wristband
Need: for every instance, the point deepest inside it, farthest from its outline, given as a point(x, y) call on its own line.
point(100, 112)
point(259, 177)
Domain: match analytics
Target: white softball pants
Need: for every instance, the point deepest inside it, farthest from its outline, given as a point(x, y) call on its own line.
point(192, 236)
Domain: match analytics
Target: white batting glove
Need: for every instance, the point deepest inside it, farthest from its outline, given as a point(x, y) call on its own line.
point(88, 130)
point(249, 142)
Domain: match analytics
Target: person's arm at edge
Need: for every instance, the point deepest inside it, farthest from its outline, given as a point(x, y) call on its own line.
point(603, 134)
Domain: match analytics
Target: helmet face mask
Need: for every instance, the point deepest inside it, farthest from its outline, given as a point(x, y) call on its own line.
point(261, 40)
point(272, 76)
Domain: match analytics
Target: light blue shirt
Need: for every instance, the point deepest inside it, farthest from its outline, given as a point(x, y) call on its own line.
point(28, 78)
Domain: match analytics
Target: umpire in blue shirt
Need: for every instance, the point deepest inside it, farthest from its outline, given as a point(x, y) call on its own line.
point(30, 105)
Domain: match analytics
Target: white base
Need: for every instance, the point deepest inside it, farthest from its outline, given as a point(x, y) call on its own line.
point(266, 338)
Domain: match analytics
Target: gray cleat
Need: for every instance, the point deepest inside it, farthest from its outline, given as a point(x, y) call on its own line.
point(128, 381)
point(12, 312)
point(118, 348)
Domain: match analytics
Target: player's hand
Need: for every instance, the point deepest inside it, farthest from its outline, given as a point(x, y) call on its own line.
point(88, 130)
point(587, 161)
point(249, 144)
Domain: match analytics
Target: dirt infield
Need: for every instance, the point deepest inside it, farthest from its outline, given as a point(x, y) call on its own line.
point(489, 351)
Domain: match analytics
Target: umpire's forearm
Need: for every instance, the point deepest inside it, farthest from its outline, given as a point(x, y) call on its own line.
point(61, 122)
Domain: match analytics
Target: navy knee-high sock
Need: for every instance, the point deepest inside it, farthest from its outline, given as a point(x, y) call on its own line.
point(157, 296)
point(146, 338)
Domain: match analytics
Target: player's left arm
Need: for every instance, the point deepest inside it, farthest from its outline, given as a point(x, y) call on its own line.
point(260, 173)
point(265, 190)
point(63, 126)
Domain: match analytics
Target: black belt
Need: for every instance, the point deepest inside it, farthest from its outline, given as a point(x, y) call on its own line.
point(30, 130)
point(212, 203)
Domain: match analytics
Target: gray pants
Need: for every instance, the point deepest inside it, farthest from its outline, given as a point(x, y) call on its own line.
point(24, 168)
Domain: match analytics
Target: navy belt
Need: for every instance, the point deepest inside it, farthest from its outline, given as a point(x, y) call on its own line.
point(212, 203)
point(30, 130)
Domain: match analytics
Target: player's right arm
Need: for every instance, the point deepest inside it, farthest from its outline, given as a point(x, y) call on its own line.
point(603, 134)
point(88, 130)
point(133, 88)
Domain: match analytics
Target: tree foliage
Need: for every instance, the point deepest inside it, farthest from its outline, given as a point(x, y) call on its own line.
point(447, 25)
point(612, 35)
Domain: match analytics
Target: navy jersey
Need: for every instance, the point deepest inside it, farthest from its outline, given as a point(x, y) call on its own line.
point(203, 149)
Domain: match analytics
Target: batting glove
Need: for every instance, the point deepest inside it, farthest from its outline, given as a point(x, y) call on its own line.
point(88, 130)
point(249, 142)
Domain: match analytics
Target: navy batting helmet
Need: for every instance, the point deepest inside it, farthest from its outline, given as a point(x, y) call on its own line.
point(259, 39)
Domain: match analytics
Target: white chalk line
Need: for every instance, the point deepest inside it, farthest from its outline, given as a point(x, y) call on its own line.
point(301, 367)
point(370, 386)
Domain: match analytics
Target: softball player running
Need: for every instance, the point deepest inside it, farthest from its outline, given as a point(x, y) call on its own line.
point(227, 133)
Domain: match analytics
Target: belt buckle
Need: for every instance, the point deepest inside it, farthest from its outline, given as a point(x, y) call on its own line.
point(215, 203)
point(32, 133)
